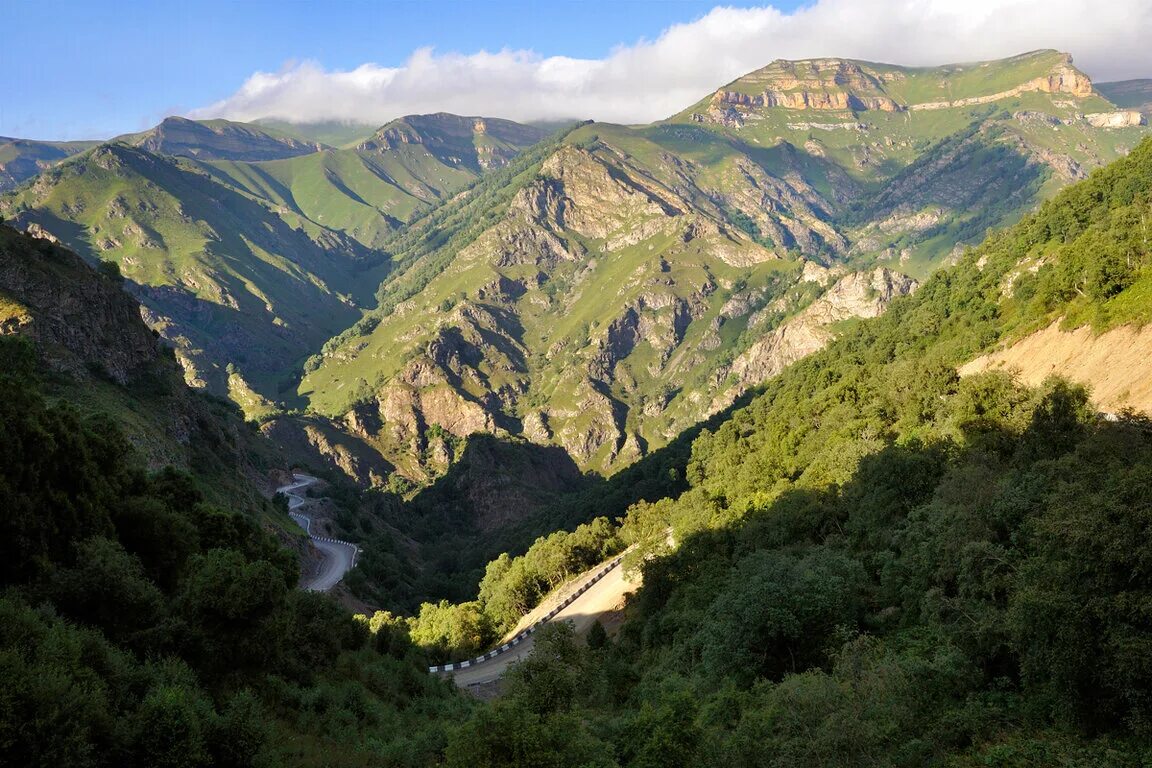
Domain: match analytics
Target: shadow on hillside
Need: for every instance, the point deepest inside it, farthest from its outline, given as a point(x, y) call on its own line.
point(920, 536)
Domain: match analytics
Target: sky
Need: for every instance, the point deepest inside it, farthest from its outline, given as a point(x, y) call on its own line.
point(98, 68)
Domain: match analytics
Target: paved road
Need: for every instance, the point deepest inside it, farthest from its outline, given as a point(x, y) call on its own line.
point(338, 556)
point(601, 597)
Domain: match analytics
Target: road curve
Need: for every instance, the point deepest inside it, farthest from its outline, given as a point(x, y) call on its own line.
point(598, 598)
point(339, 556)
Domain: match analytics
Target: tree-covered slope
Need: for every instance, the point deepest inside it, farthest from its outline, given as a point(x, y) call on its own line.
point(881, 562)
point(148, 610)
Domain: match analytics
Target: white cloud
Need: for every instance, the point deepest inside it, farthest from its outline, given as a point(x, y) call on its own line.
point(653, 79)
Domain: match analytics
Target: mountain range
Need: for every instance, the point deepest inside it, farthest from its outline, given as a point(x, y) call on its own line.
point(601, 288)
point(839, 378)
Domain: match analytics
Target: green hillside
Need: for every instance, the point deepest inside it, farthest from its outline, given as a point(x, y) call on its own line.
point(250, 248)
point(633, 281)
point(219, 140)
point(21, 159)
point(1129, 94)
point(398, 173)
point(879, 562)
point(225, 279)
point(331, 133)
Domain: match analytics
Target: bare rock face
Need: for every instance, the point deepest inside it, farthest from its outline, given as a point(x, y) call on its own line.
point(861, 294)
point(819, 84)
point(577, 192)
point(858, 295)
point(595, 429)
point(536, 428)
point(1121, 119)
point(408, 412)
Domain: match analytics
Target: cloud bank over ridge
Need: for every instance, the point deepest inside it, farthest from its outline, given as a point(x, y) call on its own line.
point(652, 79)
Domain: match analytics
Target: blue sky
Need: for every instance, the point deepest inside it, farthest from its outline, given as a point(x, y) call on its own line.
point(97, 68)
point(91, 69)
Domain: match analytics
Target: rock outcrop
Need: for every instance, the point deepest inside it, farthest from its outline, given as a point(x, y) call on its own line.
point(84, 324)
point(841, 85)
point(1119, 119)
point(857, 295)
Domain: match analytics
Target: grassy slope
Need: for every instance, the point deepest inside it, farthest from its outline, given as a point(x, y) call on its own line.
point(267, 258)
point(21, 159)
point(906, 186)
point(1129, 94)
point(235, 278)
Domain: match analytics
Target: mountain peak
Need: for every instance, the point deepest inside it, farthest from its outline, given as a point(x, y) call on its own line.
point(479, 142)
point(219, 140)
point(847, 85)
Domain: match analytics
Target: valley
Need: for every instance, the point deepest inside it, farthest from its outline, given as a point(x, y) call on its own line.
point(805, 426)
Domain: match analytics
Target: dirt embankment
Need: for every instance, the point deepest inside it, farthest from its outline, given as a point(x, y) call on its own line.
point(1116, 365)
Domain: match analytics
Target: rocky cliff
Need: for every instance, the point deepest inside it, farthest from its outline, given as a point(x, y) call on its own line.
point(83, 322)
point(857, 295)
point(841, 85)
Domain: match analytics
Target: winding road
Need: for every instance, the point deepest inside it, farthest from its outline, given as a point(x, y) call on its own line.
point(339, 556)
point(599, 596)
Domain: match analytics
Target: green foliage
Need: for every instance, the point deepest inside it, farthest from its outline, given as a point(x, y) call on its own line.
point(880, 563)
point(142, 626)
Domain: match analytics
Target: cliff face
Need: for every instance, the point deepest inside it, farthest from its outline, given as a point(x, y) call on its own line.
point(81, 321)
point(857, 295)
point(840, 85)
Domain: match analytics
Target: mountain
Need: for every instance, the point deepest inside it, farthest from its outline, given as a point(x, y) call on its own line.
point(331, 133)
point(239, 290)
point(248, 264)
point(219, 140)
point(639, 279)
point(602, 291)
point(1129, 94)
point(21, 159)
point(405, 168)
point(937, 155)
point(881, 559)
